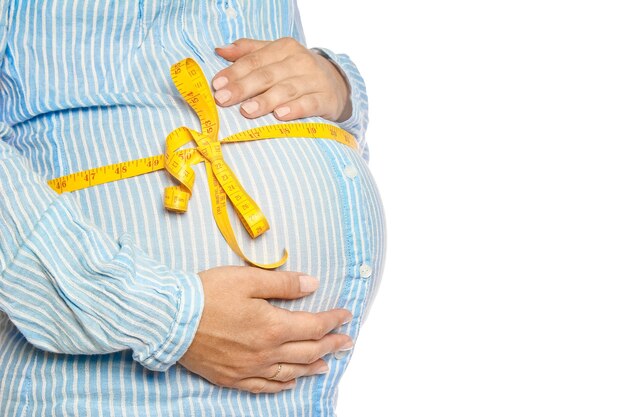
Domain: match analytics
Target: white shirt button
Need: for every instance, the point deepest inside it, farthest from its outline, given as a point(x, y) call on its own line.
point(365, 270)
point(350, 171)
point(230, 12)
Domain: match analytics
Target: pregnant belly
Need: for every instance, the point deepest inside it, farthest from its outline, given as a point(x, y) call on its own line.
point(318, 196)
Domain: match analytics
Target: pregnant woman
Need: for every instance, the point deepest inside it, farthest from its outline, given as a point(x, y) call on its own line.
point(112, 306)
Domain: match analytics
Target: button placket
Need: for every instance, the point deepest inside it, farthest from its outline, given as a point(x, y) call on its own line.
point(230, 24)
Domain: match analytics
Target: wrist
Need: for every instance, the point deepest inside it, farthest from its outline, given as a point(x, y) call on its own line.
point(344, 111)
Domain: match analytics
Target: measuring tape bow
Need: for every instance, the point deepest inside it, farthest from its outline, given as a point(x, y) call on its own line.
point(223, 184)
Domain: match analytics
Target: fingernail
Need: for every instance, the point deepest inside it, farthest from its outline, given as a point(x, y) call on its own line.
point(229, 46)
point(220, 82)
point(250, 106)
point(346, 346)
point(291, 385)
point(222, 96)
point(282, 111)
point(323, 370)
point(308, 283)
point(347, 320)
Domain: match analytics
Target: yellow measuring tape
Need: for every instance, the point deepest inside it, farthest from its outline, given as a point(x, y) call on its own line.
point(193, 86)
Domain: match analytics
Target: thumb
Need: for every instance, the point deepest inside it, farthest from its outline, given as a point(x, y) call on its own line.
point(280, 284)
point(239, 48)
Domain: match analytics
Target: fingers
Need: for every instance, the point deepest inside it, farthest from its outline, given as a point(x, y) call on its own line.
point(259, 81)
point(277, 379)
point(279, 284)
point(274, 88)
point(241, 338)
point(308, 352)
point(317, 104)
point(283, 77)
point(268, 54)
point(281, 81)
point(300, 92)
point(290, 371)
point(239, 48)
point(300, 325)
point(262, 385)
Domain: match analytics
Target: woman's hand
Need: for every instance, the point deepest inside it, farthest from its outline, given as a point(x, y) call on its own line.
point(244, 342)
point(282, 77)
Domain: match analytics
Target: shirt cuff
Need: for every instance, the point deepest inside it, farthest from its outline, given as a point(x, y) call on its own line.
point(357, 123)
point(184, 326)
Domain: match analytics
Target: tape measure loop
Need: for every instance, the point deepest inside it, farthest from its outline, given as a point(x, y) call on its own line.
point(176, 199)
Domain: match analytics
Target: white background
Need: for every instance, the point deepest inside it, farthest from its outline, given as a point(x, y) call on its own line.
point(497, 141)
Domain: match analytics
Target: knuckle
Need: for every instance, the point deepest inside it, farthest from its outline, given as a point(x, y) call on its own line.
point(266, 76)
point(293, 283)
point(271, 339)
point(302, 59)
point(257, 386)
point(252, 61)
point(273, 336)
point(274, 333)
point(236, 91)
point(263, 357)
point(246, 339)
point(308, 59)
point(290, 90)
point(320, 83)
point(236, 370)
point(225, 381)
point(319, 331)
point(289, 374)
point(289, 42)
point(229, 381)
point(318, 105)
point(311, 357)
point(313, 105)
point(290, 284)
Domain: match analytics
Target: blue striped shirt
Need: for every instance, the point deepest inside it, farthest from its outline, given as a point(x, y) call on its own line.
point(99, 293)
